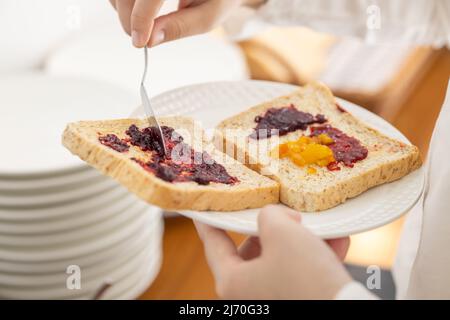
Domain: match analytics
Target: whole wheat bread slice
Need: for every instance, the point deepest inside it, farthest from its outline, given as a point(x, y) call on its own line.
point(252, 190)
point(387, 158)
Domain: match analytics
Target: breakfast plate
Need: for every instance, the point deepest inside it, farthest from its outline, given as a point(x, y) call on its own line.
point(36, 119)
point(211, 103)
point(53, 279)
point(76, 221)
point(68, 237)
point(144, 235)
point(136, 264)
point(68, 209)
point(142, 282)
point(60, 252)
point(60, 196)
point(44, 184)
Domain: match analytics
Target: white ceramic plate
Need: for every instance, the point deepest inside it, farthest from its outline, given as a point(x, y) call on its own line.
point(58, 278)
point(59, 196)
point(39, 107)
point(81, 248)
point(142, 235)
point(70, 237)
point(121, 273)
point(138, 279)
point(142, 282)
point(127, 277)
point(150, 244)
point(68, 223)
point(64, 210)
point(212, 102)
point(44, 183)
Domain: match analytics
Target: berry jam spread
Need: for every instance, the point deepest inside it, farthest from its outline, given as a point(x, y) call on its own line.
point(182, 163)
point(283, 120)
point(113, 141)
point(346, 150)
point(148, 138)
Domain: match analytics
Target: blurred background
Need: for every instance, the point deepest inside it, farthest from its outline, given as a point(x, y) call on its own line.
point(56, 53)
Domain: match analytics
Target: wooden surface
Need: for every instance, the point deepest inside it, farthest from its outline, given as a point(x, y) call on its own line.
point(184, 273)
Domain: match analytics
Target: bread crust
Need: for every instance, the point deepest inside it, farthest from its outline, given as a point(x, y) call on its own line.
point(170, 196)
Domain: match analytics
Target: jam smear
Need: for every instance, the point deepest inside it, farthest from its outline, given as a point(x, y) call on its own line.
point(182, 163)
point(283, 120)
point(114, 142)
point(346, 150)
point(333, 166)
point(148, 138)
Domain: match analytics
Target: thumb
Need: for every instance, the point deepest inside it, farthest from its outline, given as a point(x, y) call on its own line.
point(276, 220)
point(180, 24)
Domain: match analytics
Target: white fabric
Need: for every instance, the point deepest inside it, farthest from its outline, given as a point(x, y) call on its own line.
point(418, 21)
point(423, 259)
point(354, 291)
point(430, 277)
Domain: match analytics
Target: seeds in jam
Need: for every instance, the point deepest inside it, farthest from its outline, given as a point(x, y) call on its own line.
point(283, 120)
point(182, 163)
point(346, 150)
point(113, 141)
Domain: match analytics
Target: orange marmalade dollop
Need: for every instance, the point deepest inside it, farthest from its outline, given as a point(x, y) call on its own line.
point(307, 151)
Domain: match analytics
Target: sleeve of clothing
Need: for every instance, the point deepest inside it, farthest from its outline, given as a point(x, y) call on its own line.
point(430, 278)
point(355, 291)
point(421, 22)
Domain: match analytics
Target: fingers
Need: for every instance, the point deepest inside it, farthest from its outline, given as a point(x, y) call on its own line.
point(124, 8)
point(142, 17)
point(183, 23)
point(232, 278)
point(113, 3)
point(184, 3)
point(220, 250)
point(250, 248)
point(339, 246)
point(274, 222)
point(274, 216)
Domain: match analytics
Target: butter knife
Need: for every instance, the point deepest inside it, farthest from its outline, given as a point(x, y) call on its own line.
point(149, 113)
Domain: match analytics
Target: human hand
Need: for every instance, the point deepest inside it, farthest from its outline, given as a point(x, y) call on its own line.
point(286, 262)
point(139, 18)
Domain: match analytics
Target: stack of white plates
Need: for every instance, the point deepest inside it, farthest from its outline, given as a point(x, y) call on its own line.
point(61, 222)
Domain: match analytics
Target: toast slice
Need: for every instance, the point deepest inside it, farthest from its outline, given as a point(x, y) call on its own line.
point(131, 166)
point(387, 159)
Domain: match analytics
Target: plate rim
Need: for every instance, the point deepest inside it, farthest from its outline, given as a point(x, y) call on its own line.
point(60, 169)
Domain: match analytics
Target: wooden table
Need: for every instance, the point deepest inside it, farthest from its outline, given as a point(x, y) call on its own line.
point(185, 274)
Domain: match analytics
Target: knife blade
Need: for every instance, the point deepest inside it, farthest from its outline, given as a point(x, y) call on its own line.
point(148, 110)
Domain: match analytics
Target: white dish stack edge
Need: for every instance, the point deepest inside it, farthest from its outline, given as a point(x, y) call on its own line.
point(65, 229)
